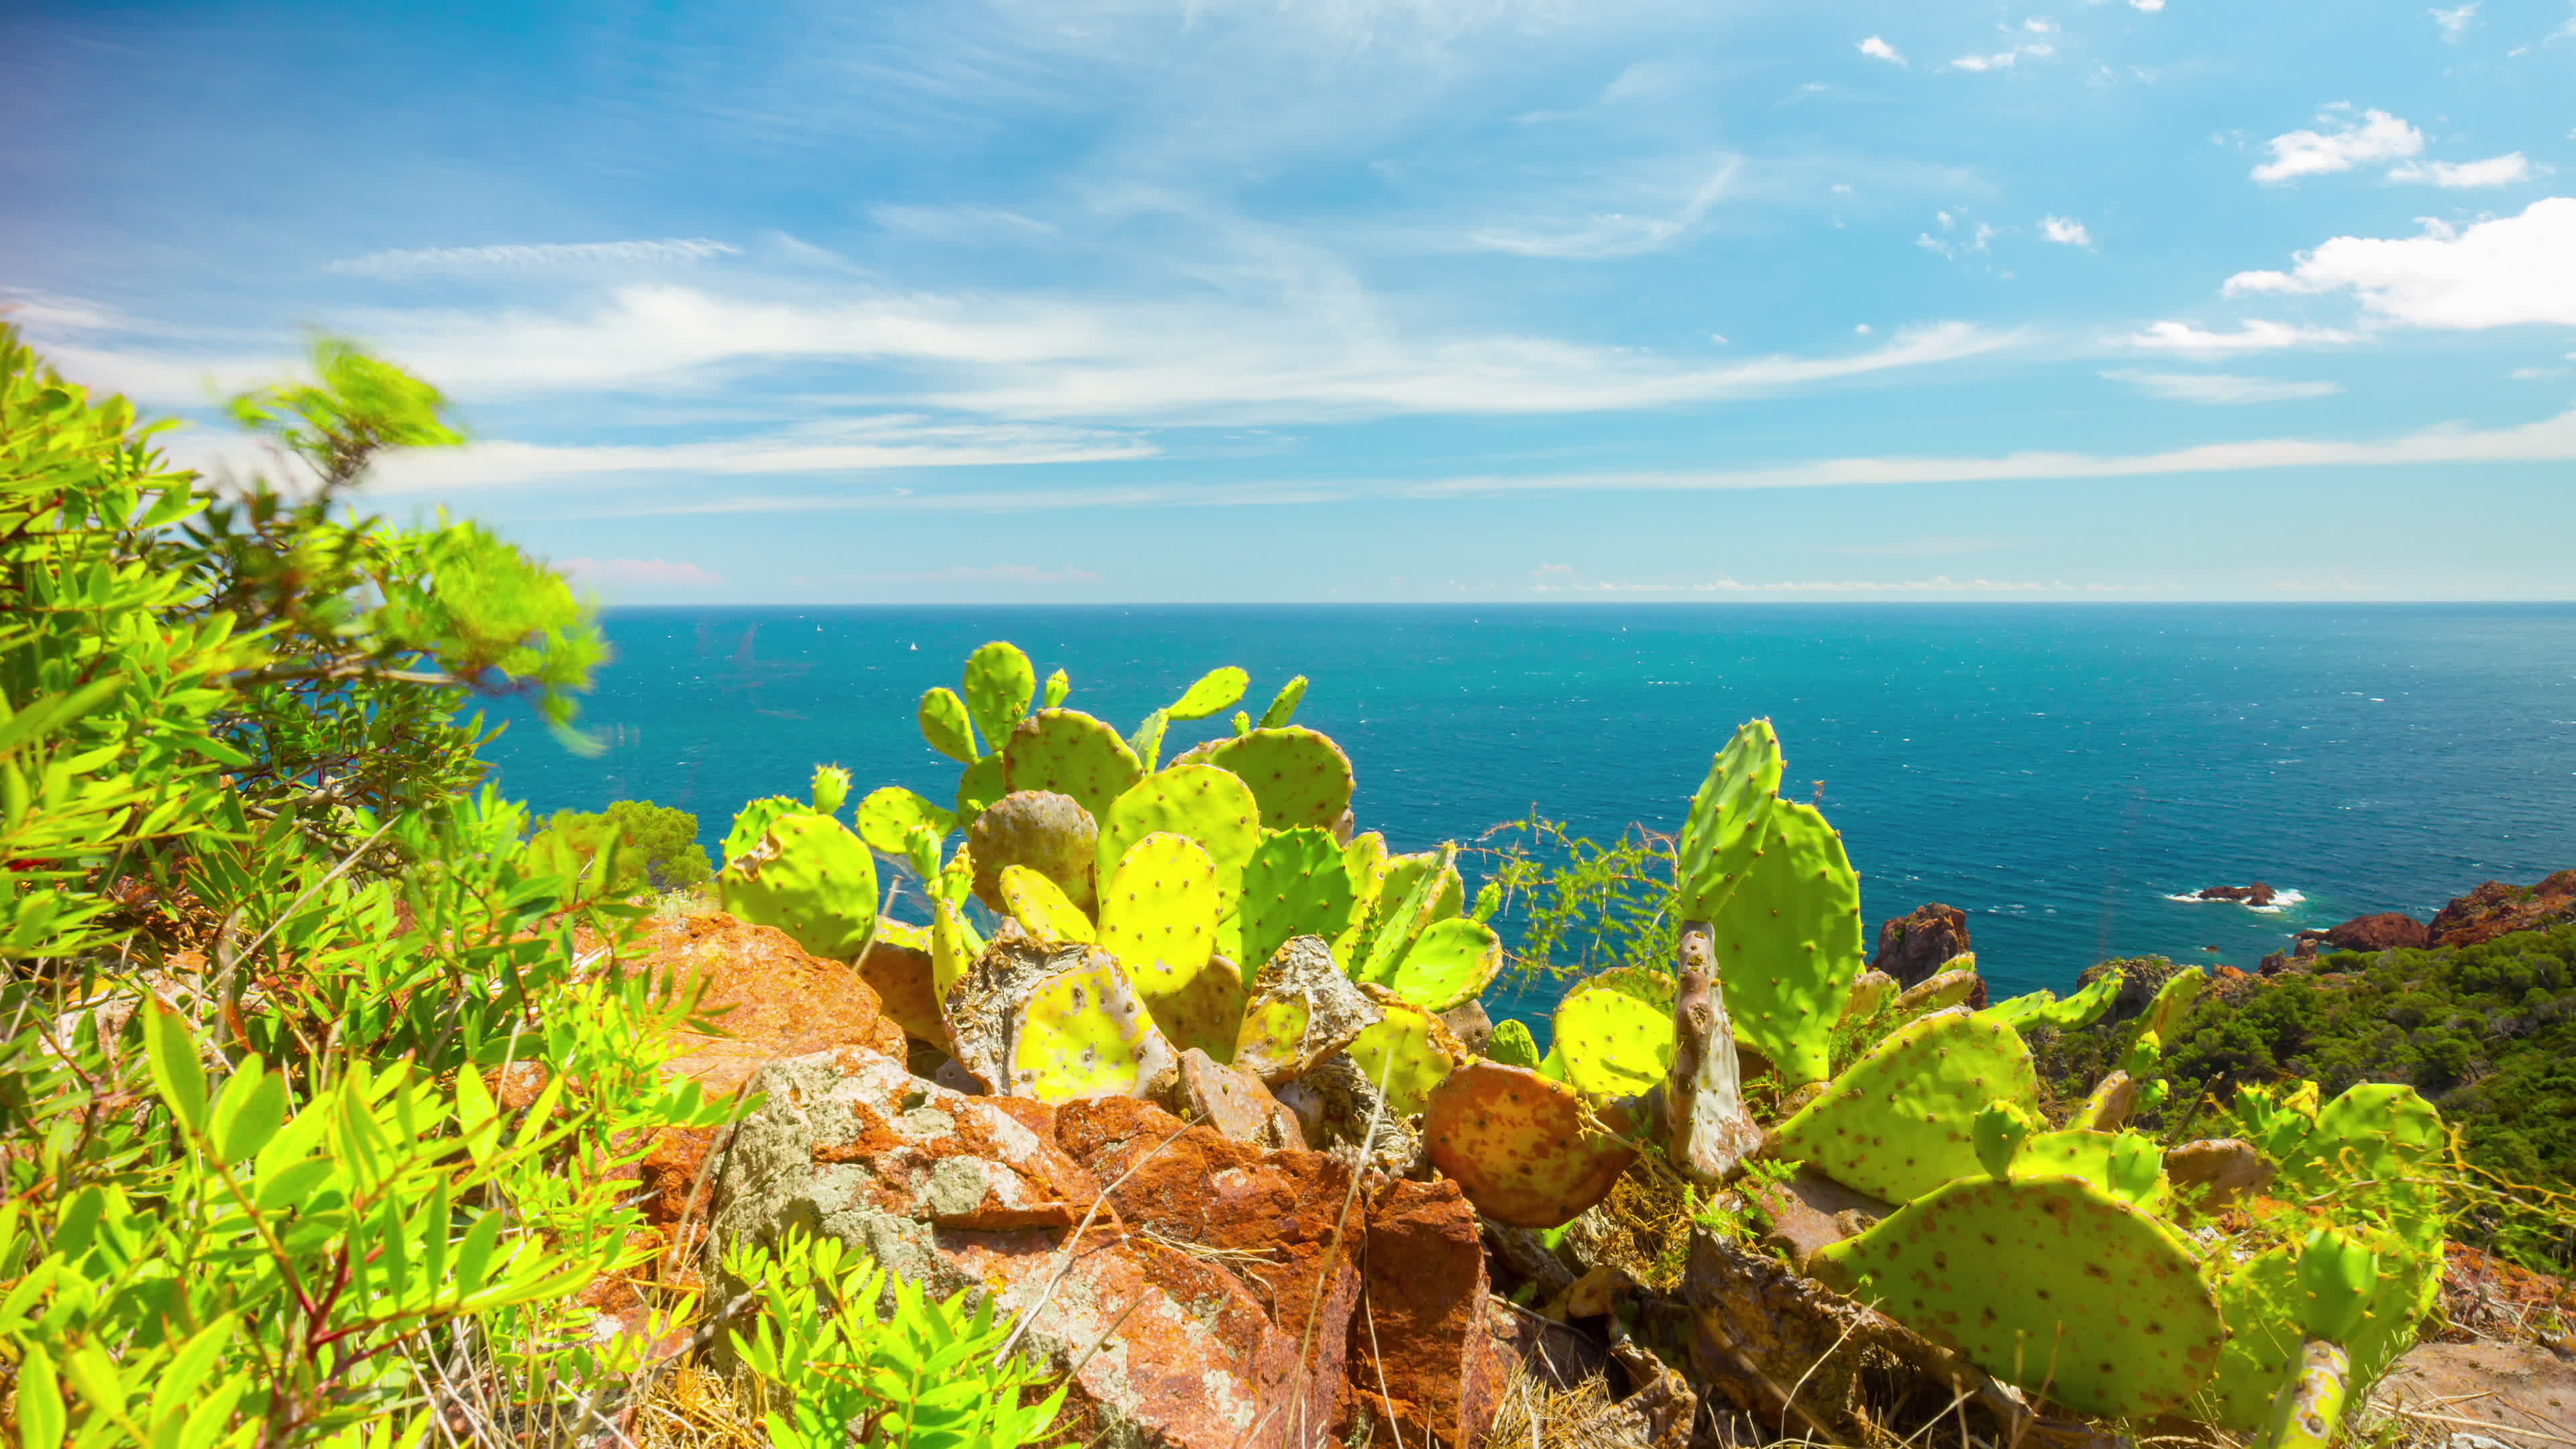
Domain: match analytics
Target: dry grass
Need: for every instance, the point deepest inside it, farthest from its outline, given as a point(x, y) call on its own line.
point(1537, 1415)
point(1642, 1227)
point(693, 1407)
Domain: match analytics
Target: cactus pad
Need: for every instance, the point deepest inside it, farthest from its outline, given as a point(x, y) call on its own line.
point(1055, 1024)
point(811, 878)
point(1522, 1147)
point(1406, 1053)
point(1512, 1045)
point(1448, 964)
point(831, 789)
point(751, 823)
point(1300, 777)
point(2173, 999)
point(2048, 1283)
point(1900, 1121)
point(1294, 885)
point(1214, 692)
point(978, 787)
point(1301, 1010)
point(1058, 685)
point(1947, 987)
point(1042, 908)
point(945, 723)
point(1158, 916)
point(1418, 892)
point(2042, 1008)
point(1728, 821)
point(1070, 753)
point(1049, 833)
point(1283, 705)
point(886, 818)
point(953, 948)
point(1202, 802)
point(2267, 1309)
point(1869, 991)
point(1147, 742)
point(1614, 1033)
point(1788, 943)
point(2124, 1164)
point(1000, 681)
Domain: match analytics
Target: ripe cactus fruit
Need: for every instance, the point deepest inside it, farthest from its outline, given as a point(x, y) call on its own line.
point(1512, 1045)
point(1523, 1147)
point(1448, 964)
point(1214, 692)
point(1202, 802)
point(811, 878)
point(1040, 906)
point(2042, 1008)
point(1054, 1023)
point(1294, 885)
point(1283, 705)
point(886, 818)
point(1406, 1052)
point(1070, 753)
point(1302, 1009)
point(999, 684)
point(1049, 833)
point(1728, 819)
point(1300, 777)
point(945, 723)
point(1789, 943)
point(1614, 1033)
point(1900, 1121)
point(2049, 1283)
point(1158, 916)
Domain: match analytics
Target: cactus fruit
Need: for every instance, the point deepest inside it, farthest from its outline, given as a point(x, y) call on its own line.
point(1214, 692)
point(1728, 819)
point(897, 965)
point(2048, 1283)
point(1899, 1122)
point(1614, 1033)
point(831, 789)
point(1158, 916)
point(1448, 964)
point(1302, 1009)
point(1300, 777)
point(1521, 1146)
point(1512, 1045)
point(945, 723)
point(2042, 1008)
point(1789, 944)
point(1070, 753)
point(1054, 1024)
point(1406, 1052)
point(1000, 681)
point(1294, 885)
point(1869, 991)
point(1283, 705)
point(1058, 685)
point(886, 818)
point(811, 878)
point(1042, 909)
point(1947, 987)
point(1202, 802)
point(1049, 833)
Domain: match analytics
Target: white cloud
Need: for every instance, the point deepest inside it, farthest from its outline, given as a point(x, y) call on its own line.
point(2251, 335)
point(2004, 59)
point(1940, 584)
point(2378, 136)
point(1877, 48)
point(2149, 6)
point(2455, 23)
point(1931, 243)
point(2502, 170)
point(651, 573)
point(2220, 388)
point(398, 264)
point(2505, 272)
point(2065, 230)
point(1608, 235)
point(2040, 25)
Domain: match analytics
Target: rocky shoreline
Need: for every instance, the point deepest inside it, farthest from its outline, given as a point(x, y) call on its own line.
point(2495, 908)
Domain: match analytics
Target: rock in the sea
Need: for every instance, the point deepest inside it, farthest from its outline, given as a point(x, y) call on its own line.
point(2386, 931)
point(2257, 894)
point(1913, 947)
point(2495, 909)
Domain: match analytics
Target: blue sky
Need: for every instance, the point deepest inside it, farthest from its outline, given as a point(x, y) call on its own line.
point(1124, 300)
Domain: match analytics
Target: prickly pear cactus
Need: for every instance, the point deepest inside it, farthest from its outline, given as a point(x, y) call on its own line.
point(811, 878)
point(2126, 1165)
point(1283, 705)
point(1206, 804)
point(1947, 987)
point(1070, 753)
point(1294, 885)
point(2268, 1311)
point(1406, 1053)
point(1522, 1147)
point(1214, 692)
point(1302, 1009)
point(1512, 1045)
point(978, 787)
point(1000, 681)
point(1086, 1033)
point(751, 823)
point(2048, 1283)
point(1900, 1121)
point(1040, 905)
point(2173, 999)
point(1728, 819)
point(1870, 990)
point(2042, 1008)
point(1418, 892)
point(887, 817)
point(1789, 943)
point(1448, 964)
point(1049, 833)
point(1300, 777)
point(1614, 1033)
point(1158, 916)
point(948, 727)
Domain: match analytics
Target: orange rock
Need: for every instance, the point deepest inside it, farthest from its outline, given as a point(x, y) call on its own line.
point(770, 997)
point(1421, 1353)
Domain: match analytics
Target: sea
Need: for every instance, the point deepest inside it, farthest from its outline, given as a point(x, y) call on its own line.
point(2068, 776)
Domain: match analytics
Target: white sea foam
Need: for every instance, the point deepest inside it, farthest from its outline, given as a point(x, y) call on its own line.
point(2281, 901)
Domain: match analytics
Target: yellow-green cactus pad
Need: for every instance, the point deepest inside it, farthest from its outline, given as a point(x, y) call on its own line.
point(1283, 705)
point(887, 816)
point(1158, 916)
point(2126, 1165)
point(2042, 1008)
point(1041, 906)
point(1364, 857)
point(2173, 999)
point(1215, 692)
point(751, 823)
point(1406, 1053)
point(2047, 1283)
point(1209, 805)
point(1299, 776)
point(1901, 1120)
point(1070, 753)
point(1448, 964)
point(1301, 1009)
point(1789, 943)
point(1614, 1033)
point(1294, 885)
point(1205, 1010)
point(952, 947)
point(1869, 991)
point(978, 787)
point(1000, 682)
point(1049, 833)
point(1948, 987)
point(2371, 1147)
point(1419, 892)
point(1522, 1147)
point(1728, 820)
point(944, 722)
point(809, 877)
point(1086, 1033)
point(2266, 1306)
point(1512, 1045)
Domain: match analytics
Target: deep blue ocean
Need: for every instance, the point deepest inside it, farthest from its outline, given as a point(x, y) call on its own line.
point(2059, 773)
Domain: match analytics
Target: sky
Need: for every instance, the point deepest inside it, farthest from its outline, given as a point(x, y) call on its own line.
point(1094, 301)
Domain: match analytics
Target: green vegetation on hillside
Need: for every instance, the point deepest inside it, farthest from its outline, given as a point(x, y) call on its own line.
point(656, 846)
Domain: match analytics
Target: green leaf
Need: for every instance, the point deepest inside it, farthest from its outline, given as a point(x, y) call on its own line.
point(40, 1401)
point(176, 1071)
point(253, 1107)
point(474, 1255)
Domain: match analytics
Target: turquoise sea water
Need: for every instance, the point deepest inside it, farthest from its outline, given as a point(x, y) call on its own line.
point(2057, 772)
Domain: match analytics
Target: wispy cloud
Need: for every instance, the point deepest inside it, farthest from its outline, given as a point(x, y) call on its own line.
point(2504, 170)
point(2065, 231)
point(2377, 136)
point(2005, 59)
point(1560, 579)
point(637, 573)
point(2221, 388)
point(1606, 235)
point(1877, 48)
point(2455, 22)
point(2509, 271)
point(394, 265)
point(979, 573)
point(2251, 335)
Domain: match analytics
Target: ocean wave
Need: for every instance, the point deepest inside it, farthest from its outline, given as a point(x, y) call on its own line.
point(2281, 900)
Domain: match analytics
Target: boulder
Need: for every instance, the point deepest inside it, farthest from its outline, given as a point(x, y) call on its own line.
point(2495, 909)
point(768, 997)
point(2387, 931)
point(2257, 894)
point(1420, 1352)
point(2141, 977)
point(1914, 947)
point(1232, 1101)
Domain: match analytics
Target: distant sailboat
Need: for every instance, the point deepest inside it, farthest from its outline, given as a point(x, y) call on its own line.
point(916, 648)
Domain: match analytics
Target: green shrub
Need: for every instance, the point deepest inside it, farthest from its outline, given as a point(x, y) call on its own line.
point(656, 846)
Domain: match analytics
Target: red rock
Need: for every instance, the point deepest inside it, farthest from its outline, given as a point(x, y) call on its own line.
point(2257, 894)
point(1913, 948)
point(1235, 1103)
point(2495, 909)
point(770, 997)
point(1421, 1352)
point(2387, 931)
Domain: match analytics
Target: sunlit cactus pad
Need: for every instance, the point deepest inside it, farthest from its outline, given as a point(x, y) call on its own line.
point(1789, 942)
point(1899, 1122)
point(1300, 776)
point(1209, 805)
point(1070, 753)
point(1521, 1146)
